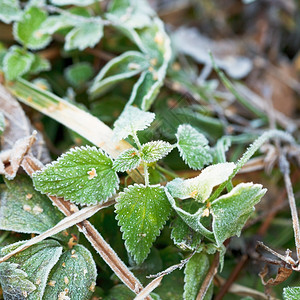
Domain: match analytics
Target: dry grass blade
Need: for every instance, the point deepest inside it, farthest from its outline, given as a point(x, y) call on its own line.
point(62, 225)
point(31, 165)
point(149, 288)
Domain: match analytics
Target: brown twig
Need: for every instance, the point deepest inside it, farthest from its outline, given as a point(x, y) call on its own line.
point(209, 277)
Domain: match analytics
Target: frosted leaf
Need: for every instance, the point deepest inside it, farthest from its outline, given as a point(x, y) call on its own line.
point(9, 11)
point(73, 2)
point(36, 261)
point(39, 65)
point(194, 273)
point(291, 293)
point(231, 211)
point(14, 282)
point(2, 123)
point(26, 31)
point(142, 212)
point(23, 209)
point(200, 187)
point(154, 151)
point(78, 74)
point(75, 274)
point(17, 62)
point(131, 120)
point(57, 22)
point(119, 68)
point(193, 147)
point(84, 35)
point(83, 175)
point(127, 160)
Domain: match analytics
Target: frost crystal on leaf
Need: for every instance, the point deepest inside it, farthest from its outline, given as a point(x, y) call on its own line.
point(193, 147)
point(231, 211)
point(200, 187)
point(131, 120)
point(83, 175)
point(142, 211)
point(154, 151)
point(127, 160)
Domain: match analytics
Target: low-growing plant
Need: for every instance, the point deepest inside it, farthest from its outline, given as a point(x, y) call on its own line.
point(204, 211)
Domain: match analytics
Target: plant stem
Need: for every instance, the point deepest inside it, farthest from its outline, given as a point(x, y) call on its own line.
point(146, 174)
point(165, 171)
point(4, 236)
point(249, 153)
point(136, 140)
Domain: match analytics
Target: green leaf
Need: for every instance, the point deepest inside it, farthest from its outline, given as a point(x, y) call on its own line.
point(14, 282)
point(23, 209)
point(2, 123)
point(86, 34)
point(39, 65)
point(154, 151)
point(9, 11)
point(200, 187)
point(195, 272)
point(55, 23)
point(79, 73)
point(17, 62)
point(83, 175)
point(231, 211)
point(131, 120)
point(26, 31)
point(291, 293)
point(142, 212)
point(193, 147)
point(36, 262)
point(117, 69)
point(120, 291)
point(74, 275)
point(73, 2)
point(127, 160)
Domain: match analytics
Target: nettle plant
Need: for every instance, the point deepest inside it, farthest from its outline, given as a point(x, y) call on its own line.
point(87, 175)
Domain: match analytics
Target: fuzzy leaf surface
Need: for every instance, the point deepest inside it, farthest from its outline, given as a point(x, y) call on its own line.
point(78, 74)
point(194, 274)
point(55, 23)
point(117, 69)
point(36, 261)
point(83, 175)
point(26, 31)
point(9, 11)
point(85, 35)
point(23, 209)
point(154, 151)
point(127, 160)
point(75, 274)
point(193, 147)
point(17, 62)
point(131, 120)
point(73, 2)
point(291, 293)
point(14, 282)
point(200, 187)
point(141, 211)
point(231, 211)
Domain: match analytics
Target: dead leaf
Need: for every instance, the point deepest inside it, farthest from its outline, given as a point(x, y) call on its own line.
point(283, 274)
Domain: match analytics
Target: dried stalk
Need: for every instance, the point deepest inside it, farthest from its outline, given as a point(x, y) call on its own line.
point(32, 165)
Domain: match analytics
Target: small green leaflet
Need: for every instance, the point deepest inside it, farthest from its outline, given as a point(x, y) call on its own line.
point(84, 35)
point(39, 65)
point(200, 187)
point(14, 282)
point(36, 262)
point(291, 293)
point(73, 2)
point(193, 147)
point(119, 68)
point(127, 160)
point(26, 31)
point(2, 123)
point(54, 23)
point(131, 120)
point(9, 11)
point(73, 276)
point(195, 271)
point(231, 211)
point(83, 175)
point(79, 73)
point(17, 62)
point(142, 211)
point(154, 151)
point(23, 209)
